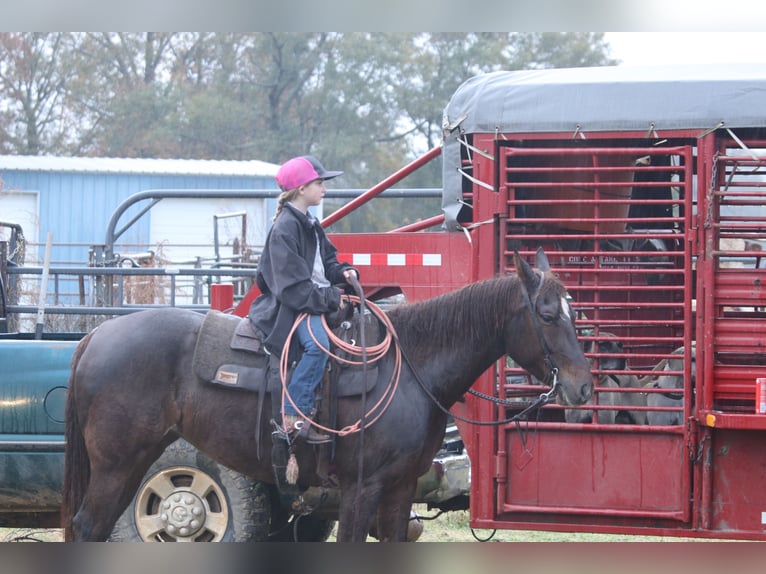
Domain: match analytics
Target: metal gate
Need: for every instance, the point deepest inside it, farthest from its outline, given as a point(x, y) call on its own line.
point(731, 337)
point(614, 222)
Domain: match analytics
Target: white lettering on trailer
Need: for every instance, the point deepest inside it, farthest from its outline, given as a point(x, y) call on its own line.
point(763, 517)
point(432, 259)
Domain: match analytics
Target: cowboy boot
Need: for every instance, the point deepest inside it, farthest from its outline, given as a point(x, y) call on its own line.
point(301, 429)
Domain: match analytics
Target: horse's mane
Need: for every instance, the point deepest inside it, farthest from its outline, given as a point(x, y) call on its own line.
point(471, 311)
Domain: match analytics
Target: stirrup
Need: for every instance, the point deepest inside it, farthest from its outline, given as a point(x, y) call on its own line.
point(278, 431)
point(305, 431)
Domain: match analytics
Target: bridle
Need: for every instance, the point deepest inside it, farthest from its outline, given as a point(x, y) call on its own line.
point(549, 396)
point(531, 304)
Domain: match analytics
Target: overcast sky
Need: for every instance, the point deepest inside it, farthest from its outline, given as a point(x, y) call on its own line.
point(392, 16)
point(642, 48)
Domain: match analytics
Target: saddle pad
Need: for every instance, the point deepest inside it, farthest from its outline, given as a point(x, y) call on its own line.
point(213, 348)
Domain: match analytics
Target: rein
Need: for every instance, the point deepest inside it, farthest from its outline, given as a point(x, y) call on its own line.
point(540, 401)
point(378, 351)
point(362, 421)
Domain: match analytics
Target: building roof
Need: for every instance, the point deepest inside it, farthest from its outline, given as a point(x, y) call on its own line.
point(252, 168)
point(611, 98)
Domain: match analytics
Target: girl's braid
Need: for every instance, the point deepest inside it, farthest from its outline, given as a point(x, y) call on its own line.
point(283, 198)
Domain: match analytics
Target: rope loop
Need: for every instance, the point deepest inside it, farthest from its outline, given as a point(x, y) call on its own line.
point(372, 354)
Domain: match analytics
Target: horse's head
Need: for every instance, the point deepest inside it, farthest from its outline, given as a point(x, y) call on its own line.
point(549, 348)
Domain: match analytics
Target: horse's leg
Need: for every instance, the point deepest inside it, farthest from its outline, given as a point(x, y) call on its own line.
point(116, 470)
point(114, 480)
point(106, 499)
point(394, 513)
point(357, 511)
point(127, 383)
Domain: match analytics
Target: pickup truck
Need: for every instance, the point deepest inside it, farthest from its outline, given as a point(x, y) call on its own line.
point(34, 371)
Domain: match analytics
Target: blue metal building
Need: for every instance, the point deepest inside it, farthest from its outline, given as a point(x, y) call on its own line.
point(74, 198)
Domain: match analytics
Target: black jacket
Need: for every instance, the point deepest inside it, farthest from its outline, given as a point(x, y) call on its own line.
point(284, 276)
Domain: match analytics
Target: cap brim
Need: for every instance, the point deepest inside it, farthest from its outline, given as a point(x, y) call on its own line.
point(330, 174)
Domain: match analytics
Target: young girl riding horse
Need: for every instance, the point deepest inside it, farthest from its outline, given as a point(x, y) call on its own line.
point(297, 273)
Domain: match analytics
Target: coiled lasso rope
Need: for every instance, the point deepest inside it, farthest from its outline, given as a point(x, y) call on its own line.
point(372, 354)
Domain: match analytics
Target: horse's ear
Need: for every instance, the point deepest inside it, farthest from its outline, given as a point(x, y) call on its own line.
point(525, 272)
point(541, 260)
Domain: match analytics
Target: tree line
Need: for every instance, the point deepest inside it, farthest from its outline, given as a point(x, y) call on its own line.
point(366, 103)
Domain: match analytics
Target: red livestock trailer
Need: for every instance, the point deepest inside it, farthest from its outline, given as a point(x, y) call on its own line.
point(647, 189)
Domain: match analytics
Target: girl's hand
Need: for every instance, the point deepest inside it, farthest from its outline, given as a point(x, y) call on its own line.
point(348, 273)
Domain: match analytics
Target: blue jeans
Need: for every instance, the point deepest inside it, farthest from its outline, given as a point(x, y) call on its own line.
point(310, 369)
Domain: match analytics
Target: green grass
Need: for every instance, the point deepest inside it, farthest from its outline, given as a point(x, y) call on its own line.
point(454, 527)
point(449, 527)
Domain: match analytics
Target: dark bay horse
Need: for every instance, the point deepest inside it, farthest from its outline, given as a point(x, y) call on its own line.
point(133, 391)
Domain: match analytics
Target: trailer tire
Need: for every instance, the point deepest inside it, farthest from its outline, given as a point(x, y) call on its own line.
point(185, 496)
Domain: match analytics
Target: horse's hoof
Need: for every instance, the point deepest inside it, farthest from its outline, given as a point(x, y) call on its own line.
point(414, 527)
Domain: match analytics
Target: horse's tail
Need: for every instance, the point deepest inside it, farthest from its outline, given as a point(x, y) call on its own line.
point(76, 462)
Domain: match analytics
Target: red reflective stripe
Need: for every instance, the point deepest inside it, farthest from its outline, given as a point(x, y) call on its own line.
point(379, 259)
point(392, 259)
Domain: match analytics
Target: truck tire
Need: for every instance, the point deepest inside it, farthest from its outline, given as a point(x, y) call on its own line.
point(186, 497)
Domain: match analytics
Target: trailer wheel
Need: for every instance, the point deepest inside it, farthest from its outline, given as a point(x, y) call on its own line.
point(186, 497)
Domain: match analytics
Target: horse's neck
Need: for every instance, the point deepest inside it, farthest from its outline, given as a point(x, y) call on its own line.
point(450, 370)
point(458, 373)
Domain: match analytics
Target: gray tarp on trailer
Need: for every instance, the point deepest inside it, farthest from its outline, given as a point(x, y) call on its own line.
point(602, 99)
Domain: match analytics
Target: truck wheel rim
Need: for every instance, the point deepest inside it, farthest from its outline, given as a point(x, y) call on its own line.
point(181, 504)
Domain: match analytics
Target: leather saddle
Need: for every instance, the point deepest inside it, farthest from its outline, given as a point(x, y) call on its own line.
point(230, 353)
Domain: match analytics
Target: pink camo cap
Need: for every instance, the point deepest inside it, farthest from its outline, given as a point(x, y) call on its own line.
point(301, 170)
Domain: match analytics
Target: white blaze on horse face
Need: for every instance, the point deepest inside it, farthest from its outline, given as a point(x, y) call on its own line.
point(565, 308)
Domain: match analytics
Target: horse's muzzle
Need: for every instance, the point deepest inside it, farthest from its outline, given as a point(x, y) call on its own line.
point(586, 392)
point(573, 395)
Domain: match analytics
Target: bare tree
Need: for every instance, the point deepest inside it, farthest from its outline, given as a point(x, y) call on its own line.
point(33, 85)
point(369, 102)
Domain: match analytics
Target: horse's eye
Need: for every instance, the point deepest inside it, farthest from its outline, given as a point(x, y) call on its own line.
point(548, 318)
